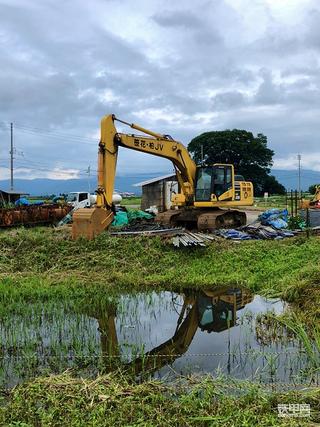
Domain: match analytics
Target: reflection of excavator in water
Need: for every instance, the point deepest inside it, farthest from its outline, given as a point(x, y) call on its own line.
point(211, 311)
point(203, 189)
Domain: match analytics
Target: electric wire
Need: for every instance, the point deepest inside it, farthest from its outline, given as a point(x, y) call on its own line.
point(51, 133)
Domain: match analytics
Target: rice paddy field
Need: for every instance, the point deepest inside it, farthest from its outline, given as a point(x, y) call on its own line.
point(131, 331)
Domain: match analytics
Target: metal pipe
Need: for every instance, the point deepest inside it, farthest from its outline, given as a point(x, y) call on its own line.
point(140, 128)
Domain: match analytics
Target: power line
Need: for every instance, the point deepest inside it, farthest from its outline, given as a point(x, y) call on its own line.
point(47, 130)
point(57, 137)
point(55, 134)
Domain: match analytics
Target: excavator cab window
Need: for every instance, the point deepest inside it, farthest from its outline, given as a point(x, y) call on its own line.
point(203, 183)
point(214, 317)
point(222, 179)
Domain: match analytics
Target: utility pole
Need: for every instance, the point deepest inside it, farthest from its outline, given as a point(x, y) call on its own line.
point(299, 175)
point(89, 173)
point(11, 156)
point(201, 154)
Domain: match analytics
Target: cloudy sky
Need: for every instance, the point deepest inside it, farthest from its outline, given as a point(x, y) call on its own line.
point(180, 68)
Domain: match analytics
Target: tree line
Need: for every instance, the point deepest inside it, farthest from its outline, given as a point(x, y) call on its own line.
point(249, 154)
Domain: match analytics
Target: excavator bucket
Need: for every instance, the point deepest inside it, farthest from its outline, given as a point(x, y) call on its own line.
point(89, 222)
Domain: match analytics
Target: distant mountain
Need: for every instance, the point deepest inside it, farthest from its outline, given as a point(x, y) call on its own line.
point(43, 186)
point(288, 178)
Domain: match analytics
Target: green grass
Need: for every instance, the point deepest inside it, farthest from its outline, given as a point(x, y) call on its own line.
point(113, 401)
point(308, 337)
point(271, 202)
point(36, 258)
point(130, 201)
point(278, 201)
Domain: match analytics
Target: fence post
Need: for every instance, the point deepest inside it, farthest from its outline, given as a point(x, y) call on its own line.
point(296, 203)
point(308, 222)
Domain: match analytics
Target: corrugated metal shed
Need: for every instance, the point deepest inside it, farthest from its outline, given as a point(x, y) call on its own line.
point(15, 192)
point(10, 196)
point(153, 180)
point(157, 191)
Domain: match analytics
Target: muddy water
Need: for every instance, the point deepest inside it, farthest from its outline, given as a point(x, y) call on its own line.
point(154, 334)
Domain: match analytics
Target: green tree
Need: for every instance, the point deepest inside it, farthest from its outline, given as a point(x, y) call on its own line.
point(312, 188)
point(248, 153)
point(272, 186)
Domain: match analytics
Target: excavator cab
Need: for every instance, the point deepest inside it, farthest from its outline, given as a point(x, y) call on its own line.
point(214, 182)
point(218, 186)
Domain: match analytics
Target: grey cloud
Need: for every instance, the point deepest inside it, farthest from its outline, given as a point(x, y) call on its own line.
point(53, 87)
point(302, 91)
point(229, 100)
point(57, 61)
point(268, 92)
point(312, 31)
point(204, 32)
point(178, 18)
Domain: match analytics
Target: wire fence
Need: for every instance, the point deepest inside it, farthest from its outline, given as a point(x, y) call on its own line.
point(251, 352)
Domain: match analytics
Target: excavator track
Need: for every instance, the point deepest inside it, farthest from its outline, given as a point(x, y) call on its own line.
point(221, 219)
point(203, 219)
point(168, 217)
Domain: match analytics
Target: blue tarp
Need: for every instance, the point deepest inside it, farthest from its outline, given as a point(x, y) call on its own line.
point(272, 225)
point(233, 234)
point(251, 232)
point(277, 218)
point(25, 202)
point(22, 202)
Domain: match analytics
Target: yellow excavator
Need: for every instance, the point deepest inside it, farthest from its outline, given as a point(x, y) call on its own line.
point(203, 190)
point(314, 202)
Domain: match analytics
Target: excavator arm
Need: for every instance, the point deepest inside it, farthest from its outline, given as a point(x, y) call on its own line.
point(151, 143)
point(91, 222)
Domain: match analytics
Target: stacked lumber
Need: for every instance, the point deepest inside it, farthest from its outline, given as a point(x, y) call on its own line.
point(192, 239)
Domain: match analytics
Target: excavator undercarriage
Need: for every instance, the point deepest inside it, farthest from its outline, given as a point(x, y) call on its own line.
point(202, 219)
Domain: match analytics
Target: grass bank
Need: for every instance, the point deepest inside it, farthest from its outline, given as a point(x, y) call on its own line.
point(113, 401)
point(46, 262)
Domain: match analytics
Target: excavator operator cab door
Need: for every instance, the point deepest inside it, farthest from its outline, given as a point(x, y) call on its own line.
point(212, 182)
